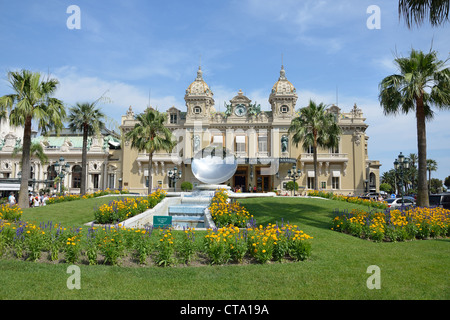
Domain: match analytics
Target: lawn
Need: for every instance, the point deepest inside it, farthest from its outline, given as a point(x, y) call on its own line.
point(337, 268)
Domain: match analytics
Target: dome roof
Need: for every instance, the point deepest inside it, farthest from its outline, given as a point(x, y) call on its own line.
point(283, 85)
point(199, 86)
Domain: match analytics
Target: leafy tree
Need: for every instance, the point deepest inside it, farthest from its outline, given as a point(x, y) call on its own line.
point(423, 82)
point(386, 187)
point(31, 102)
point(435, 185)
point(292, 186)
point(447, 182)
point(315, 127)
point(88, 119)
point(186, 186)
point(149, 134)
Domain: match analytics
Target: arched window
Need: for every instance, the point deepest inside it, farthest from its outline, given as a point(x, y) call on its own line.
point(76, 176)
point(51, 173)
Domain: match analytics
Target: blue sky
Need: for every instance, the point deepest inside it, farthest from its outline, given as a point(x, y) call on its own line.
point(140, 50)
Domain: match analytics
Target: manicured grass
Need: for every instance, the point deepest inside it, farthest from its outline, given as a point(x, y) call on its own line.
point(70, 213)
point(336, 269)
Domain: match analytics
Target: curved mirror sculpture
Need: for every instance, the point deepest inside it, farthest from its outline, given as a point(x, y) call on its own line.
point(214, 165)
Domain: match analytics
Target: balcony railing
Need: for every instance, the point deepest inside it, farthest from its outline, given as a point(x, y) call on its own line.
point(325, 156)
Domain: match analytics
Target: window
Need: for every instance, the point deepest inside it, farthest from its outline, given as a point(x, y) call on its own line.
point(76, 177)
point(51, 173)
point(323, 184)
point(334, 150)
point(262, 143)
point(310, 183)
point(111, 180)
point(95, 180)
point(173, 118)
point(335, 182)
point(310, 149)
point(197, 110)
point(284, 109)
point(240, 144)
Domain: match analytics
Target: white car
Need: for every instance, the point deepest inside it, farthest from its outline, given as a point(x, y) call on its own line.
point(396, 203)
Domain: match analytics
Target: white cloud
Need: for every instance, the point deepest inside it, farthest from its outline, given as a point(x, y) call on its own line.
point(76, 87)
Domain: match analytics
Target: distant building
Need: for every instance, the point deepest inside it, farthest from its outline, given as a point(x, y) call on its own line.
point(103, 162)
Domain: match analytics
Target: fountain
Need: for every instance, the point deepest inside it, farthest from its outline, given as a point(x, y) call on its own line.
point(212, 166)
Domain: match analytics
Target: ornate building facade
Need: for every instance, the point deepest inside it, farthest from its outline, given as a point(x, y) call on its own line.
point(260, 141)
point(104, 165)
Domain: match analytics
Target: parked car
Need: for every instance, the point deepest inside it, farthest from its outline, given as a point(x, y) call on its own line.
point(440, 200)
point(396, 203)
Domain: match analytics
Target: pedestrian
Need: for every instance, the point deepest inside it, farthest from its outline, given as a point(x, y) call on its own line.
point(36, 201)
point(12, 199)
point(31, 200)
point(44, 199)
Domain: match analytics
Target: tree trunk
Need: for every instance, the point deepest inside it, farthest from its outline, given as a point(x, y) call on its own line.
point(422, 186)
point(23, 193)
point(84, 162)
point(150, 177)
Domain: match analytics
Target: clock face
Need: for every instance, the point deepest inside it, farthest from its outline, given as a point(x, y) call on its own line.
point(240, 110)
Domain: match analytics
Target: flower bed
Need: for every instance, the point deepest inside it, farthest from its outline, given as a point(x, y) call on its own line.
point(226, 213)
point(119, 210)
point(357, 200)
point(162, 247)
point(273, 243)
point(72, 197)
point(394, 225)
point(8, 212)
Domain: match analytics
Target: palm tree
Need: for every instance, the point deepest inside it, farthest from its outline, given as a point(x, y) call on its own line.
point(315, 127)
point(416, 11)
point(150, 135)
point(423, 82)
point(85, 117)
point(431, 166)
point(36, 150)
point(31, 101)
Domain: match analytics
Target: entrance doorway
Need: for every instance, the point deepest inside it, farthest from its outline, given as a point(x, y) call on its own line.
point(262, 182)
point(240, 179)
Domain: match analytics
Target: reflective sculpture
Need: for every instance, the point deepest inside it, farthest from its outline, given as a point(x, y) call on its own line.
point(214, 165)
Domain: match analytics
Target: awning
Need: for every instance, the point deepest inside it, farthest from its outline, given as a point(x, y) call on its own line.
point(218, 139)
point(12, 187)
point(311, 174)
point(114, 143)
point(336, 173)
point(9, 186)
point(240, 139)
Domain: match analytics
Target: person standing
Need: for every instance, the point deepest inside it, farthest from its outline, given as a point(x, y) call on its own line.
point(11, 199)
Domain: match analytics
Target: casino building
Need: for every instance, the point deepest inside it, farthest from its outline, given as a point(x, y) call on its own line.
point(260, 141)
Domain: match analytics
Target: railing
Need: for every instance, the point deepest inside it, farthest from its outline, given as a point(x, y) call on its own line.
point(322, 156)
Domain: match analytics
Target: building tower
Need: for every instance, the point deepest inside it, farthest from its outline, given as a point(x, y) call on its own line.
point(282, 99)
point(199, 100)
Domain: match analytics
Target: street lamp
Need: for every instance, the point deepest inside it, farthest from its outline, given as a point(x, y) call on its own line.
point(174, 175)
point(62, 167)
point(294, 174)
point(401, 164)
